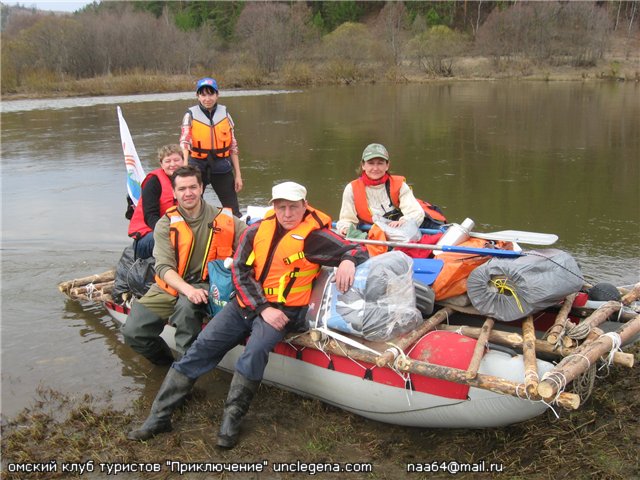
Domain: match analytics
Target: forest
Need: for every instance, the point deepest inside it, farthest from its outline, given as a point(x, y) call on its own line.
point(129, 46)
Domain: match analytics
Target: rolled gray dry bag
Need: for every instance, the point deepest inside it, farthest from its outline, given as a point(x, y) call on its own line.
point(509, 289)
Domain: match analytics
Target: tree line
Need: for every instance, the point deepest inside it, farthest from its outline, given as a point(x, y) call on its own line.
point(245, 43)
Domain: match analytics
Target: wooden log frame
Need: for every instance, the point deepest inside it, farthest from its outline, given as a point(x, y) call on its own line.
point(599, 316)
point(569, 401)
point(91, 289)
point(559, 326)
point(529, 356)
point(103, 277)
point(515, 340)
point(402, 343)
point(481, 345)
point(583, 357)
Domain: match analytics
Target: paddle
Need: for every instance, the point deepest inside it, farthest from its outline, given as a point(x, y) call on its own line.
point(445, 248)
point(519, 236)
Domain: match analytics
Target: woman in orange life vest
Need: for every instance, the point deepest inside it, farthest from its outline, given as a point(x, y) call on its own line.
point(156, 198)
point(377, 193)
point(208, 143)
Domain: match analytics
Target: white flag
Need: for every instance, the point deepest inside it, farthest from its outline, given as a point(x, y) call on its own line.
point(135, 172)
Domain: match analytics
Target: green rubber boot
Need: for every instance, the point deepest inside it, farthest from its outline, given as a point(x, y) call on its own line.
point(174, 389)
point(241, 392)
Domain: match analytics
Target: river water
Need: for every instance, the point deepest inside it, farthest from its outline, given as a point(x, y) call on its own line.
point(549, 157)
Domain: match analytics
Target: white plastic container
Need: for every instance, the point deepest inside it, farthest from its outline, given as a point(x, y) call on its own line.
point(456, 234)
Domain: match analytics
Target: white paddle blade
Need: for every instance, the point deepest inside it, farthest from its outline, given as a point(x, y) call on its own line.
point(531, 238)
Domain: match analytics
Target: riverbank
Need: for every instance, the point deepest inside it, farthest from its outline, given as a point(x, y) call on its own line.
point(621, 63)
point(597, 441)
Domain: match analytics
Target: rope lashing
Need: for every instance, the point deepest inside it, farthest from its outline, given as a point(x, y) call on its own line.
point(616, 343)
point(503, 288)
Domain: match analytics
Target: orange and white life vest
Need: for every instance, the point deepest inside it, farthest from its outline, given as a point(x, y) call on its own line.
point(286, 275)
point(219, 243)
point(393, 186)
point(210, 138)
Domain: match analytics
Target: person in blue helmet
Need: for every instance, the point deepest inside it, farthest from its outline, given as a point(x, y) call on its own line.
point(209, 143)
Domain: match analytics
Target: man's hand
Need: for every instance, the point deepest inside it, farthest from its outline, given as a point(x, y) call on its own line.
point(345, 275)
point(274, 317)
point(196, 295)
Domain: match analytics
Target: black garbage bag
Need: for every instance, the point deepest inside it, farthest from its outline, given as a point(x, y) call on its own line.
point(133, 275)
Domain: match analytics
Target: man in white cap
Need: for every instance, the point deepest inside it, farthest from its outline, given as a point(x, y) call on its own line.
point(274, 267)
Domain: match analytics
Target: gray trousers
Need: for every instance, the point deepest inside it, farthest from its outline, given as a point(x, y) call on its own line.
point(149, 315)
point(229, 328)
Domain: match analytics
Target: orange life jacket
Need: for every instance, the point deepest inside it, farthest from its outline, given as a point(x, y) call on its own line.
point(360, 196)
point(137, 226)
point(210, 138)
point(392, 186)
point(286, 276)
point(219, 244)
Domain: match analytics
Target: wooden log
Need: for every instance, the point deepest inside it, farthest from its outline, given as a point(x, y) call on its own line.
point(412, 337)
point(478, 351)
point(485, 382)
point(569, 342)
point(633, 295)
point(580, 331)
point(558, 328)
point(601, 314)
point(529, 356)
point(107, 276)
point(98, 297)
point(515, 340)
point(584, 356)
point(594, 334)
point(90, 290)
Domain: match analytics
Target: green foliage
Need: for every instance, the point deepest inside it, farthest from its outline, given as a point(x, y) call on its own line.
point(350, 41)
point(155, 7)
point(434, 48)
point(318, 21)
point(337, 13)
point(184, 21)
point(435, 13)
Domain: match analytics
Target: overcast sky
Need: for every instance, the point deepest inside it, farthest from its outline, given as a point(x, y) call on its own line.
point(50, 5)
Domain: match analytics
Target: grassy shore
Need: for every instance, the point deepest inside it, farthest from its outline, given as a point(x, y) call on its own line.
point(621, 64)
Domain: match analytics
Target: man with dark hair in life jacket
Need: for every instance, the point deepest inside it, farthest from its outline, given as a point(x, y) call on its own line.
point(155, 200)
point(209, 143)
point(187, 237)
point(377, 193)
point(273, 271)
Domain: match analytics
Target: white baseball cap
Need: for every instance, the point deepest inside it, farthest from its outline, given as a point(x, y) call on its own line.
point(288, 191)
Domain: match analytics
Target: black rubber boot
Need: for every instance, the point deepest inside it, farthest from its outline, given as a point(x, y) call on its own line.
point(162, 357)
point(241, 392)
point(173, 390)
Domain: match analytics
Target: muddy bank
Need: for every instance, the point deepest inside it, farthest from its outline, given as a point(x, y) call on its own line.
point(600, 440)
